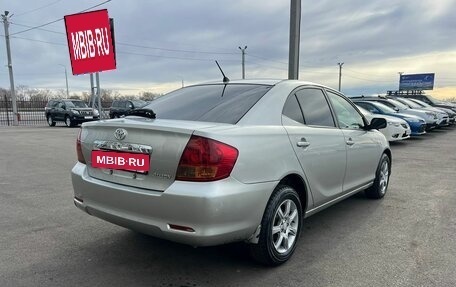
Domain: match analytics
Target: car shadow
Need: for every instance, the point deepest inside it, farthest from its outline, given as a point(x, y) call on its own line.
point(122, 255)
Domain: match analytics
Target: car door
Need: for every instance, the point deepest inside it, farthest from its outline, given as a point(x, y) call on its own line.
point(123, 110)
point(363, 149)
point(319, 145)
point(57, 110)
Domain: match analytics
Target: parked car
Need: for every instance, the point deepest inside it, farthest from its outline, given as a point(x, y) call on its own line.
point(450, 112)
point(231, 161)
point(430, 117)
point(431, 101)
point(71, 112)
point(417, 124)
point(121, 108)
point(442, 117)
point(396, 129)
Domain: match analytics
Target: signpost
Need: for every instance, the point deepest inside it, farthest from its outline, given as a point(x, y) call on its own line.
point(90, 38)
point(90, 42)
point(416, 82)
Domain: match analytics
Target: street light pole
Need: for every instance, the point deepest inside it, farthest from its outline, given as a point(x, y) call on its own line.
point(295, 36)
point(243, 61)
point(66, 80)
point(5, 19)
point(340, 73)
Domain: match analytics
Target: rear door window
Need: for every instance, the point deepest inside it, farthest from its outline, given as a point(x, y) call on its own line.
point(315, 108)
point(209, 103)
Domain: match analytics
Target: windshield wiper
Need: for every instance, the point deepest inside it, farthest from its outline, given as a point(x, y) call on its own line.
point(143, 112)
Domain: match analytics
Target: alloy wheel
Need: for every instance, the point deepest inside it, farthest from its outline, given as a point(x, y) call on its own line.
point(285, 226)
point(384, 177)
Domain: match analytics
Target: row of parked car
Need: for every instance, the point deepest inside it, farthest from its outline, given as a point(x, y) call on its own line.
point(407, 114)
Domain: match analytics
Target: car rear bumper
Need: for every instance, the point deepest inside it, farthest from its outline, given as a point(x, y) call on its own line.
point(219, 212)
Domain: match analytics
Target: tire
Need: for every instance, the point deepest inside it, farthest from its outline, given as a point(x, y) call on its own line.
point(68, 122)
point(380, 186)
point(50, 121)
point(280, 227)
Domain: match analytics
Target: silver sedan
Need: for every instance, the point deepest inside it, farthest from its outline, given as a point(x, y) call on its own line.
point(231, 161)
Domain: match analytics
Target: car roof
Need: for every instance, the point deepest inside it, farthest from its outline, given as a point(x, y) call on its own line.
point(247, 81)
point(269, 82)
point(374, 103)
point(382, 97)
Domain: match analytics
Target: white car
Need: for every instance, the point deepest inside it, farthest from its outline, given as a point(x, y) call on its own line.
point(397, 129)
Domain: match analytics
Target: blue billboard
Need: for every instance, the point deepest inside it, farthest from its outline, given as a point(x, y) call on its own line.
point(417, 82)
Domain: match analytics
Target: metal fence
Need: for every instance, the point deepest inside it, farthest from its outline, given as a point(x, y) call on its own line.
point(31, 113)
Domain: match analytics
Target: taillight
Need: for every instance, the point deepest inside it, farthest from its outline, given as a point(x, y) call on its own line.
point(79, 148)
point(205, 159)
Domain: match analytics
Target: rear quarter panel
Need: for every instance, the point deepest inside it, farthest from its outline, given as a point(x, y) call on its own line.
point(265, 153)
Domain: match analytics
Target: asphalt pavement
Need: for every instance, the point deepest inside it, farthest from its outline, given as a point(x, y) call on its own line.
point(406, 239)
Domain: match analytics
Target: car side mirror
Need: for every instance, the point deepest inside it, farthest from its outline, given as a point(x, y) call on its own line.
point(376, 124)
point(396, 109)
point(63, 107)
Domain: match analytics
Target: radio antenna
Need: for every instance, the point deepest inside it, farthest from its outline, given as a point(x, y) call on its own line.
point(225, 78)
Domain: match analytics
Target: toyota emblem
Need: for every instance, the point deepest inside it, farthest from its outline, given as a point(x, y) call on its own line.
point(120, 134)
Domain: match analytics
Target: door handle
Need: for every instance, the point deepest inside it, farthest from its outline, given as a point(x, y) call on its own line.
point(303, 143)
point(350, 141)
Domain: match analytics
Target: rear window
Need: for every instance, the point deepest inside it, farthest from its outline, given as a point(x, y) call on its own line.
point(209, 103)
point(76, 104)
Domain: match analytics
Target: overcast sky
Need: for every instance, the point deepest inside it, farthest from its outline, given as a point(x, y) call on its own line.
point(180, 40)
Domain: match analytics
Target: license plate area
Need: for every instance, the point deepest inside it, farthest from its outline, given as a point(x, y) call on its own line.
point(118, 160)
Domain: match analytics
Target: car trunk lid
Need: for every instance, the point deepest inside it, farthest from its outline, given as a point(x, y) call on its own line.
point(163, 140)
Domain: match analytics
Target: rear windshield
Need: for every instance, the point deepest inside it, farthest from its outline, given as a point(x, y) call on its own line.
point(75, 104)
point(209, 103)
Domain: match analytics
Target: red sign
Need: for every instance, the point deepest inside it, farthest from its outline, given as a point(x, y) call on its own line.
point(90, 42)
point(137, 162)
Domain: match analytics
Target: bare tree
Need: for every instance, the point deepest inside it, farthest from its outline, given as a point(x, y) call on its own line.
point(149, 96)
point(21, 92)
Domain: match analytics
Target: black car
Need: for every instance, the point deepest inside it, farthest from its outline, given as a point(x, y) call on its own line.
point(121, 108)
point(71, 112)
